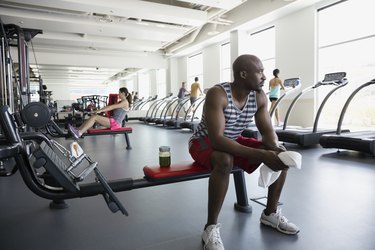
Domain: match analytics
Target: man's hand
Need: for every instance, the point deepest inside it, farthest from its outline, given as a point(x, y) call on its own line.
point(271, 159)
point(277, 147)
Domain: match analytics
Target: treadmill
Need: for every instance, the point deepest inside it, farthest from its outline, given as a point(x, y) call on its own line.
point(308, 137)
point(292, 85)
point(362, 141)
point(195, 119)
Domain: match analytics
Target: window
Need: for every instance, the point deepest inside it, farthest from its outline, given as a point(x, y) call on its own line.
point(346, 39)
point(129, 84)
point(143, 84)
point(195, 69)
point(161, 82)
point(225, 65)
point(263, 46)
point(78, 92)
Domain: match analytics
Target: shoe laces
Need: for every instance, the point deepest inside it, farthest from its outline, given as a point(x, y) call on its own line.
point(280, 218)
point(214, 235)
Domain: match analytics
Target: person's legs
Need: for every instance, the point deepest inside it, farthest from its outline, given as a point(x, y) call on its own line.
point(89, 123)
point(192, 107)
point(277, 117)
point(271, 216)
point(218, 184)
point(217, 188)
point(273, 103)
point(274, 192)
point(221, 165)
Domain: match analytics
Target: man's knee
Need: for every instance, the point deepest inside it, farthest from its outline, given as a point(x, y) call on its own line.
point(222, 162)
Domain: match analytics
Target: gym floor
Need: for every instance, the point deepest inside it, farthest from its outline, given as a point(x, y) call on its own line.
point(331, 199)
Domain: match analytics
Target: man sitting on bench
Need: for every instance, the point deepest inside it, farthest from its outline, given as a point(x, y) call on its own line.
point(115, 121)
point(229, 108)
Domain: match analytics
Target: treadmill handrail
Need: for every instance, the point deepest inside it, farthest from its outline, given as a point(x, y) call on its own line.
point(196, 108)
point(158, 105)
point(149, 100)
point(176, 109)
point(179, 106)
point(152, 107)
point(138, 103)
point(346, 105)
point(164, 112)
point(293, 103)
point(339, 82)
point(294, 87)
point(169, 107)
point(193, 105)
point(343, 83)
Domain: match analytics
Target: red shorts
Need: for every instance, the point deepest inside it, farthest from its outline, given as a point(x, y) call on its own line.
point(114, 124)
point(201, 151)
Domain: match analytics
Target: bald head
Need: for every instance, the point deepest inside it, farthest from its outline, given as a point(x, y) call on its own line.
point(244, 63)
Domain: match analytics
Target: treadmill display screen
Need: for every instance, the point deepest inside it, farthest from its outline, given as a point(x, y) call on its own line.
point(292, 82)
point(334, 77)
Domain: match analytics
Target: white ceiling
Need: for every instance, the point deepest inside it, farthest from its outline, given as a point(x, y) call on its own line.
point(93, 41)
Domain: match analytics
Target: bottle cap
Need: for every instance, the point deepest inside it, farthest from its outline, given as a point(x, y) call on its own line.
point(164, 149)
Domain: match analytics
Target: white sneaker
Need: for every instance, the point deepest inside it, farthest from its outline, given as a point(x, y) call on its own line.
point(278, 221)
point(211, 238)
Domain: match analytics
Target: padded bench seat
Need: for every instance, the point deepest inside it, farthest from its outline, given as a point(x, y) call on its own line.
point(154, 173)
point(108, 131)
point(179, 172)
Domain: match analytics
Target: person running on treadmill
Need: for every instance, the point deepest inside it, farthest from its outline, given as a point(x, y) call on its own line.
point(218, 145)
point(274, 86)
point(195, 90)
point(113, 122)
point(182, 92)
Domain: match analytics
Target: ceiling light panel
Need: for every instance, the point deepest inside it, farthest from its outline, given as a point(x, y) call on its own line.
point(221, 4)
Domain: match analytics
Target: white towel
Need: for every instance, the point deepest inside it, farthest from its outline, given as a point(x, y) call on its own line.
point(268, 176)
point(75, 149)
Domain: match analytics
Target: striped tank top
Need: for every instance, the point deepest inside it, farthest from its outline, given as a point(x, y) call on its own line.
point(236, 120)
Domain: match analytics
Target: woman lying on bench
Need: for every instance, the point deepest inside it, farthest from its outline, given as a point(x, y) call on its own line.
point(115, 121)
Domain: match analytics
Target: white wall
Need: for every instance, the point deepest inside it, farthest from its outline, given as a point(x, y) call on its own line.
point(59, 92)
point(211, 65)
point(295, 56)
point(173, 77)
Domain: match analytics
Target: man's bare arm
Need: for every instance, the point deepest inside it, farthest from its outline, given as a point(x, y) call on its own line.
point(216, 101)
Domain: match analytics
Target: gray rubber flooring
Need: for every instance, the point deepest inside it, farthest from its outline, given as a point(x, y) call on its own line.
point(331, 199)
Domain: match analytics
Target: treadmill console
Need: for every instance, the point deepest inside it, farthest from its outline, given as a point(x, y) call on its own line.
point(292, 82)
point(336, 77)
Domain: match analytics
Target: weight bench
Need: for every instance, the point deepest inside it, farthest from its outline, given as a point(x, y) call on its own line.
point(191, 171)
point(55, 131)
point(51, 172)
point(107, 131)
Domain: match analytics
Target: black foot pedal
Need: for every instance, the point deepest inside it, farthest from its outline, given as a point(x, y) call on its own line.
point(110, 198)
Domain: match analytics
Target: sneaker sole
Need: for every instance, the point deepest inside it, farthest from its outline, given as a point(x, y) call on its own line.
point(267, 223)
point(204, 245)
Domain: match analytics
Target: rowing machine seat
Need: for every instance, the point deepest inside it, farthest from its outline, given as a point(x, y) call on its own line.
point(110, 131)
